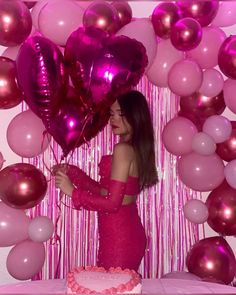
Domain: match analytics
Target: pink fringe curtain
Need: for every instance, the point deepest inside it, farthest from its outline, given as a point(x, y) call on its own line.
point(170, 235)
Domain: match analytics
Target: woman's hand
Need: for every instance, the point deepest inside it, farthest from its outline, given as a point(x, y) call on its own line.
point(63, 182)
point(59, 167)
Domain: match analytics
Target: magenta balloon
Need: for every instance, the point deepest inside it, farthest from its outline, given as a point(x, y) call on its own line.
point(226, 15)
point(42, 76)
point(206, 53)
point(26, 135)
point(14, 225)
point(41, 229)
point(201, 173)
point(164, 16)
point(227, 149)
point(185, 77)
point(203, 144)
point(25, 260)
point(15, 22)
point(101, 15)
point(102, 67)
point(229, 91)
point(221, 204)
point(186, 34)
point(212, 258)
point(212, 83)
point(22, 185)
point(181, 275)
point(218, 127)
point(167, 55)
point(226, 57)
point(196, 211)
point(203, 11)
point(202, 106)
point(124, 12)
point(178, 135)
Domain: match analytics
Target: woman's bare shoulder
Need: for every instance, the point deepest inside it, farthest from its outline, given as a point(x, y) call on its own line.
point(123, 150)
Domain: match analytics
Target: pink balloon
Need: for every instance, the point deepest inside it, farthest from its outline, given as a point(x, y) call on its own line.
point(201, 173)
point(36, 11)
point(203, 144)
point(42, 76)
point(40, 229)
point(22, 185)
point(206, 53)
point(58, 19)
point(25, 260)
point(196, 211)
point(15, 22)
point(226, 14)
point(230, 173)
point(11, 52)
point(167, 55)
point(226, 57)
point(203, 11)
point(181, 275)
point(101, 15)
point(185, 77)
point(26, 135)
point(186, 34)
point(212, 258)
point(2, 160)
point(229, 90)
point(212, 83)
point(164, 16)
point(14, 225)
point(178, 135)
point(218, 127)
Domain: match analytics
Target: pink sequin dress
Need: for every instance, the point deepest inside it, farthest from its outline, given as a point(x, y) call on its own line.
point(122, 239)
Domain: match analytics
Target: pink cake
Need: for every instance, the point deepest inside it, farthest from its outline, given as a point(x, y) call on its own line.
point(95, 280)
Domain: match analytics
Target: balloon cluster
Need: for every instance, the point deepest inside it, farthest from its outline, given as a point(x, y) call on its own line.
point(69, 63)
point(191, 45)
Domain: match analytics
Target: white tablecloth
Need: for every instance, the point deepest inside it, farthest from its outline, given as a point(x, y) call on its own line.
point(149, 286)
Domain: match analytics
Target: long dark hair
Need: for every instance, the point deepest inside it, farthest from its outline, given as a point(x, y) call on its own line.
point(134, 106)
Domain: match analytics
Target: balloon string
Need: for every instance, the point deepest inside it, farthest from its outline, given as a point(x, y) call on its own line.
point(45, 134)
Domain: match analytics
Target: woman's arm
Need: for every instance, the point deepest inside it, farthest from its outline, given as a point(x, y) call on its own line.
point(121, 161)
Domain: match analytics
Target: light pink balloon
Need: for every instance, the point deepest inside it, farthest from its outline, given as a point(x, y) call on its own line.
point(57, 20)
point(212, 83)
point(185, 77)
point(229, 91)
point(25, 135)
point(178, 135)
point(167, 55)
point(181, 275)
point(11, 52)
point(14, 225)
point(40, 229)
point(25, 260)
point(196, 211)
point(201, 173)
point(142, 30)
point(2, 160)
point(230, 173)
point(203, 144)
point(36, 11)
point(226, 15)
point(218, 127)
point(206, 53)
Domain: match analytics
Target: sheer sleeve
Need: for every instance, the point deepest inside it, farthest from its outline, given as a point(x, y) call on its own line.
point(97, 202)
point(81, 180)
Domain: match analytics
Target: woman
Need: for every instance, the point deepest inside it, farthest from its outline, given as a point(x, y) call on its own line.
point(124, 174)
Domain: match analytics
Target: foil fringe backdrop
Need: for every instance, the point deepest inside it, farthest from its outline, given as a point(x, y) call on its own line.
point(170, 235)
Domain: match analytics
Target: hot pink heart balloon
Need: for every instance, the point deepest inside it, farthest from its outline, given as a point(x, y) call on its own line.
point(41, 75)
point(102, 67)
